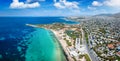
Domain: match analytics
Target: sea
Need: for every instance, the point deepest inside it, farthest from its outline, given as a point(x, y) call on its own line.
point(19, 42)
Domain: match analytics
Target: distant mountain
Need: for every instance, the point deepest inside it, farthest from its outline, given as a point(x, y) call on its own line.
point(104, 15)
point(116, 15)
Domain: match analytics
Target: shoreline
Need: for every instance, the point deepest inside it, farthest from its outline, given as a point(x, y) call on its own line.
point(62, 56)
point(63, 45)
point(53, 35)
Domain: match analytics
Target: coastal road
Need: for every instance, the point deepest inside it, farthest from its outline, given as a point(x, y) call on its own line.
point(89, 51)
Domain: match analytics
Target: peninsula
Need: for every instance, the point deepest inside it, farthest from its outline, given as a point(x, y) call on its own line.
point(71, 38)
point(95, 38)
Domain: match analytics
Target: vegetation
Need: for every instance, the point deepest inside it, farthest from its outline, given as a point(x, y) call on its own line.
point(86, 35)
point(68, 43)
point(71, 34)
point(102, 30)
point(74, 59)
point(87, 57)
point(99, 55)
point(80, 56)
point(118, 58)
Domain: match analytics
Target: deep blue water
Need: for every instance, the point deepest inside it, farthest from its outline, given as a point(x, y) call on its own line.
point(13, 30)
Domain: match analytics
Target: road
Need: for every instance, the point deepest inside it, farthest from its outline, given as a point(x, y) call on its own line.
point(89, 51)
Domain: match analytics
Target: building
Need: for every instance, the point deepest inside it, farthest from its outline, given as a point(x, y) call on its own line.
point(110, 46)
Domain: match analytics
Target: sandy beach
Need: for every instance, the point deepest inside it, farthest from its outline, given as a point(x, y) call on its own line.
point(63, 43)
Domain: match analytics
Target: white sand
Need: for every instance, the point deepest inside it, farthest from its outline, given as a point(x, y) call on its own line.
point(63, 43)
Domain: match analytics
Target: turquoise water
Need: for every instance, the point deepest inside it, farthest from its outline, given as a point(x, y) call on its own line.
point(19, 42)
point(44, 47)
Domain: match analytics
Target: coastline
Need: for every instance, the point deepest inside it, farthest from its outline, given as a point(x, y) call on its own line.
point(56, 53)
point(54, 36)
point(62, 44)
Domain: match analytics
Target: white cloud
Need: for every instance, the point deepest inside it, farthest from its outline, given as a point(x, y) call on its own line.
point(71, 8)
point(16, 4)
point(58, 5)
point(62, 4)
point(96, 3)
point(91, 8)
point(112, 3)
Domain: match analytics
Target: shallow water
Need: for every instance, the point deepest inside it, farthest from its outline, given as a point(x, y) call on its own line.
point(44, 47)
point(19, 42)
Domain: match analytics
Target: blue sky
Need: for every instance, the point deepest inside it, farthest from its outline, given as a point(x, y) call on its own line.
point(57, 7)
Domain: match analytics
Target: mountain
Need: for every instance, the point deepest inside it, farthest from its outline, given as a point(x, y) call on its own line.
point(103, 15)
point(116, 15)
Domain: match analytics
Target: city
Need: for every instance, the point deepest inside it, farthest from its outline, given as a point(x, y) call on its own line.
point(96, 39)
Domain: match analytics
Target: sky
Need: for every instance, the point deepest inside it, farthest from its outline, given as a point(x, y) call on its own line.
point(57, 7)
